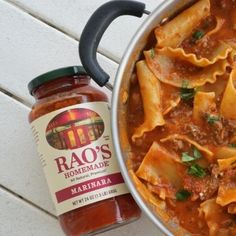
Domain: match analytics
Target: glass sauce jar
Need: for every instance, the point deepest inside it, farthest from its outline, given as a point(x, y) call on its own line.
point(71, 125)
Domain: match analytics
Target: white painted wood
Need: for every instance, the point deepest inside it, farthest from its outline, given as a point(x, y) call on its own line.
point(71, 17)
point(20, 168)
point(18, 218)
point(30, 48)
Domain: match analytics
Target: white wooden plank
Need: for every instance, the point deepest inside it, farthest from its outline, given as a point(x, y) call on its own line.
point(30, 48)
point(18, 218)
point(71, 17)
point(20, 168)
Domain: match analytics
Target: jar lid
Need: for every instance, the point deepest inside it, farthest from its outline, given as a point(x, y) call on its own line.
point(55, 74)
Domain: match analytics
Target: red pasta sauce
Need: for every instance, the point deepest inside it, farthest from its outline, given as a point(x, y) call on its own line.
point(65, 90)
point(201, 177)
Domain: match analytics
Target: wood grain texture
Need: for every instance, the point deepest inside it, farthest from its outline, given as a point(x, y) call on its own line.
point(20, 168)
point(18, 218)
point(71, 17)
point(32, 48)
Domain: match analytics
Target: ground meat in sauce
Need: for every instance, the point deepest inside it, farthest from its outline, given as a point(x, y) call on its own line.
point(221, 131)
point(183, 108)
point(225, 4)
point(202, 188)
point(177, 145)
point(202, 48)
point(229, 178)
point(184, 68)
point(218, 133)
point(195, 132)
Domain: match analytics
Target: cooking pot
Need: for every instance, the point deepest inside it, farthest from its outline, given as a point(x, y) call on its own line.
point(89, 41)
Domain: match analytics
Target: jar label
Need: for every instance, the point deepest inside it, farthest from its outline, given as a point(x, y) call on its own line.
point(76, 151)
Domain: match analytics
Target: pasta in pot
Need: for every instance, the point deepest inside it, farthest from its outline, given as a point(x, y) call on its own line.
point(182, 130)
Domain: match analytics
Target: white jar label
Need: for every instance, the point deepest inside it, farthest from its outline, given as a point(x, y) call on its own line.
point(76, 151)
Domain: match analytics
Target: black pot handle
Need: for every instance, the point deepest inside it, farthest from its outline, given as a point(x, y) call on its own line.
point(95, 28)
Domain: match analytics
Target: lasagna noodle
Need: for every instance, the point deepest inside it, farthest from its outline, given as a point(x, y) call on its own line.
point(203, 103)
point(215, 217)
point(226, 195)
point(170, 98)
point(146, 194)
point(228, 101)
point(221, 51)
point(171, 104)
point(164, 68)
point(227, 187)
point(219, 23)
point(159, 206)
point(207, 153)
point(218, 87)
point(151, 97)
point(174, 32)
point(227, 163)
point(161, 169)
point(224, 152)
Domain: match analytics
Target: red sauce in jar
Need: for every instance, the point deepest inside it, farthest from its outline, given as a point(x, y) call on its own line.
point(71, 128)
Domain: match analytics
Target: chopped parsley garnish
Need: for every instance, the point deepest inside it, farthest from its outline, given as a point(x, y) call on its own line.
point(182, 195)
point(197, 35)
point(152, 53)
point(185, 92)
point(197, 171)
point(187, 158)
point(233, 145)
point(185, 83)
point(212, 119)
point(196, 153)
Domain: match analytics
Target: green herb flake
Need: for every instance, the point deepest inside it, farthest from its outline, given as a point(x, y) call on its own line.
point(187, 158)
point(212, 119)
point(197, 35)
point(197, 171)
point(182, 195)
point(152, 53)
point(196, 153)
point(185, 84)
point(232, 145)
point(185, 92)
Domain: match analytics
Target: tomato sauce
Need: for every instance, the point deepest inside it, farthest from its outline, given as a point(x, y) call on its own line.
point(213, 132)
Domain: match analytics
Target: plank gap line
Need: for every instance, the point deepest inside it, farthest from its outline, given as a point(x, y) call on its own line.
point(13, 96)
point(54, 26)
point(26, 200)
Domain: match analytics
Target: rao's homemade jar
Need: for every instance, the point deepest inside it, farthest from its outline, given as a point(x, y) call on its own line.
point(71, 126)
